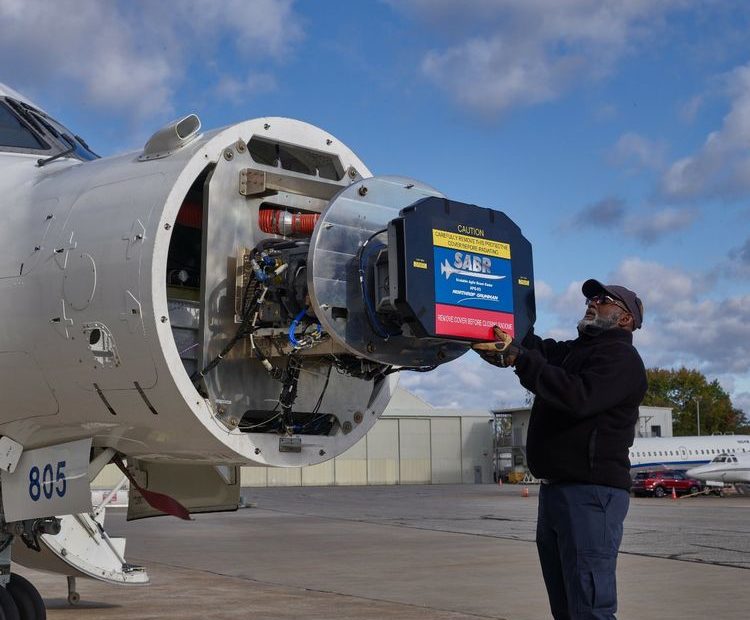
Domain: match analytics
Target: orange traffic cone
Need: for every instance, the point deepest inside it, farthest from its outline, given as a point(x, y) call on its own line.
point(674, 492)
point(525, 492)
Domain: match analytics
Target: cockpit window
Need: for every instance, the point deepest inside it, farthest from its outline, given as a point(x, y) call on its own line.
point(24, 128)
point(80, 147)
point(15, 134)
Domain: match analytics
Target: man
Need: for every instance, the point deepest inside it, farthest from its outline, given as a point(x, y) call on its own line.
point(587, 392)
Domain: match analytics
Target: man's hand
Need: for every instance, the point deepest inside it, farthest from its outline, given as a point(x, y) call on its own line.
point(502, 352)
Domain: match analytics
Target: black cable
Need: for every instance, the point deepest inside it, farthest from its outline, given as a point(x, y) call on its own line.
point(394, 369)
point(289, 389)
point(372, 318)
point(241, 332)
point(316, 408)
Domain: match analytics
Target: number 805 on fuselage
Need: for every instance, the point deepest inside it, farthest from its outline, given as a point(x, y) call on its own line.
point(49, 481)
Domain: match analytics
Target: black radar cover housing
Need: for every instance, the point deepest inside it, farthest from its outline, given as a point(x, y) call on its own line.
point(456, 270)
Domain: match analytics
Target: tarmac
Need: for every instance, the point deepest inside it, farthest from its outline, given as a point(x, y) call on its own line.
point(439, 552)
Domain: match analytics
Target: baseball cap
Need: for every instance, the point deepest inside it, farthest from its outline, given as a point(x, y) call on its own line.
point(634, 305)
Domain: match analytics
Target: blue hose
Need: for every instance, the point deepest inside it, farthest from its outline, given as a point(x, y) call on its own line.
point(295, 324)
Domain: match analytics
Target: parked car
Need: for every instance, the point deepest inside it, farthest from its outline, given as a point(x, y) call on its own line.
point(660, 483)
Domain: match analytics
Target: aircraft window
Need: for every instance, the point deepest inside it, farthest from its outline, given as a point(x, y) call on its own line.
point(14, 133)
point(48, 127)
point(80, 147)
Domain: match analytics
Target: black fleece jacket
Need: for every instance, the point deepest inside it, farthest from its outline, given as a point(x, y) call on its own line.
point(587, 395)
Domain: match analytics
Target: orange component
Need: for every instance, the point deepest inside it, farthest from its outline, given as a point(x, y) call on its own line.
point(190, 214)
point(280, 222)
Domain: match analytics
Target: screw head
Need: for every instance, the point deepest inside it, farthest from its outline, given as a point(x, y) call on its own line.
point(163, 319)
point(228, 154)
point(362, 191)
point(346, 427)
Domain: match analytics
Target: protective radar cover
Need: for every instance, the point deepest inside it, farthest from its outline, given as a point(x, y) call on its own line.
point(459, 270)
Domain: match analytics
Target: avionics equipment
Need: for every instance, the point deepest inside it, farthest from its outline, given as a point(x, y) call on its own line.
point(241, 296)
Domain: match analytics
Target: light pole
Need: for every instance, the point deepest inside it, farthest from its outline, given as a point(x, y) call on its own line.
point(698, 414)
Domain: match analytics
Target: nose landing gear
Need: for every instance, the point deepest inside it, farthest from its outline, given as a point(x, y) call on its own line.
point(20, 600)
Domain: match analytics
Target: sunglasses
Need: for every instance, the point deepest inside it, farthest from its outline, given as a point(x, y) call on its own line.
point(601, 300)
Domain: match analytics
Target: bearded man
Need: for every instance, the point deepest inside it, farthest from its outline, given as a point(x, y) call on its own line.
point(587, 392)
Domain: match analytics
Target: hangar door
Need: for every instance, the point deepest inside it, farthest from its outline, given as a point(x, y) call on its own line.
point(446, 450)
point(351, 466)
point(382, 453)
point(414, 449)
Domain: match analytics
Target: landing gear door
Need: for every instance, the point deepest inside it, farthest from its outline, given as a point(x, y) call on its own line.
point(82, 549)
point(200, 488)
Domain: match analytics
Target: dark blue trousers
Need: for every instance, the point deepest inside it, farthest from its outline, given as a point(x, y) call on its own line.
point(578, 534)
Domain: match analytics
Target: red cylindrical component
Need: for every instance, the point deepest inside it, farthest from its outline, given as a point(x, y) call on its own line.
point(280, 222)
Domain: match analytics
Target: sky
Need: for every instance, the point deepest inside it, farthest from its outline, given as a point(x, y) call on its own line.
point(615, 133)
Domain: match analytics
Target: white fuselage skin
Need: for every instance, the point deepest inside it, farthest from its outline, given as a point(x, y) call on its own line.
point(684, 452)
point(728, 468)
point(84, 244)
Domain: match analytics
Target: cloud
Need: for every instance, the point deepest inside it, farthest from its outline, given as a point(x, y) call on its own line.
point(638, 152)
point(658, 285)
point(467, 383)
point(720, 168)
point(235, 90)
point(738, 263)
point(683, 325)
point(713, 336)
point(689, 110)
point(741, 400)
point(502, 54)
point(603, 214)
point(649, 227)
point(133, 56)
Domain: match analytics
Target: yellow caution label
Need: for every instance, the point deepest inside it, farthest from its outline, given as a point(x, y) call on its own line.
point(523, 281)
point(454, 241)
point(419, 263)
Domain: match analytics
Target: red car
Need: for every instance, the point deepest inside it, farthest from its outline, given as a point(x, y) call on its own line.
point(660, 483)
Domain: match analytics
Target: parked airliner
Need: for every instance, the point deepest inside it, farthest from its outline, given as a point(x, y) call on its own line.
point(684, 452)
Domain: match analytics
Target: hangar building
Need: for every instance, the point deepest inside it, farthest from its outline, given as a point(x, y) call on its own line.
point(412, 443)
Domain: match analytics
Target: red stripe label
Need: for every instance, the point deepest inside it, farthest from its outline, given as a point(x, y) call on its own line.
point(471, 322)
